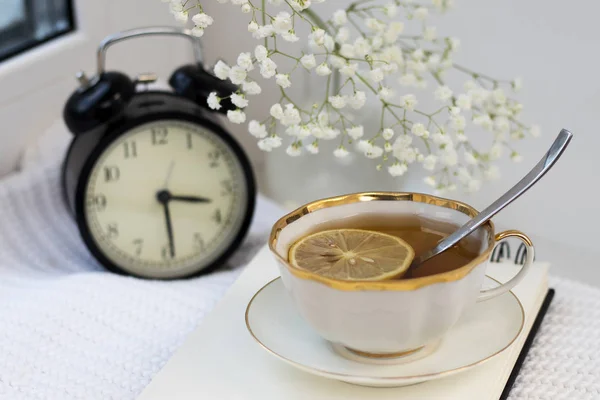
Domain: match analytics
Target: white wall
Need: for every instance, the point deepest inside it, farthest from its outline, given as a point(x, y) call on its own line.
point(35, 85)
point(553, 46)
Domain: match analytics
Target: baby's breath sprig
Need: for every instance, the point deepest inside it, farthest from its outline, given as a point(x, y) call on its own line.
point(371, 51)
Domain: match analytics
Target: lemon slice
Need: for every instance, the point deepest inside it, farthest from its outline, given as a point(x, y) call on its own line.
point(352, 254)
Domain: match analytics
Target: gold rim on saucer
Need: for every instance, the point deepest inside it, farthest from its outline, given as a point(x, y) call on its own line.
point(389, 378)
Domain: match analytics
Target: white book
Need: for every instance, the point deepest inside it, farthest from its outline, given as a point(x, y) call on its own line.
point(220, 360)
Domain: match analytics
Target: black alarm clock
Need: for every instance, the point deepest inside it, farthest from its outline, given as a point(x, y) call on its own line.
point(158, 188)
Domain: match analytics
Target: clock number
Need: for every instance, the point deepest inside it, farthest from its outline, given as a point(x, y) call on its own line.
point(159, 135)
point(217, 216)
point(226, 187)
point(165, 252)
point(199, 243)
point(98, 201)
point(138, 243)
point(112, 230)
point(130, 149)
point(214, 158)
point(189, 140)
point(111, 173)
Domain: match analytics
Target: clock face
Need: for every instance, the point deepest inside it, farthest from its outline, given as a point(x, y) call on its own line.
point(166, 199)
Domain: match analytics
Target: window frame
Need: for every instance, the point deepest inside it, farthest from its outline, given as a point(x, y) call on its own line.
point(26, 26)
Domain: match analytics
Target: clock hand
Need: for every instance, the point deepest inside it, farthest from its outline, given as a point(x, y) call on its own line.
point(190, 199)
point(163, 197)
point(169, 172)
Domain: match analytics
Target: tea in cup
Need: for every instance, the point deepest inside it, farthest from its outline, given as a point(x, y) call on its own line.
point(400, 314)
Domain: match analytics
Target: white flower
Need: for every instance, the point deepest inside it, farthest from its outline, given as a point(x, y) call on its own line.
point(463, 175)
point(464, 101)
point(323, 69)
point(448, 156)
point(263, 32)
point(429, 162)
point(393, 31)
point(221, 70)
point(181, 16)
point(535, 131)
point(470, 158)
point(443, 93)
point(386, 94)
point(290, 36)
point(387, 133)
point(283, 80)
point(407, 154)
point(252, 27)
point(340, 152)
point(409, 102)
point(483, 120)
point(339, 18)
point(453, 43)
point(430, 180)
point(441, 139)
point(313, 148)
point(214, 102)
point(282, 22)
point(499, 96)
point(239, 100)
point(268, 68)
point(202, 20)
point(461, 137)
point(517, 84)
point(337, 101)
point(261, 52)
point(276, 111)
point(454, 110)
point(237, 75)
point(236, 116)
point(375, 25)
point(516, 157)
point(419, 130)
point(293, 150)
point(308, 61)
point(343, 35)
point(291, 116)
point(496, 151)
point(433, 61)
point(257, 129)
point(251, 88)
point(176, 5)
point(407, 80)
point(347, 50)
point(238, 2)
point(501, 124)
point(492, 172)
point(458, 122)
point(430, 34)
point(269, 143)
point(376, 75)
point(370, 150)
point(356, 132)
point(349, 70)
point(197, 32)
point(402, 142)
point(421, 13)
point(317, 37)
point(337, 62)
point(244, 61)
point(390, 10)
point(361, 47)
point(358, 100)
point(397, 169)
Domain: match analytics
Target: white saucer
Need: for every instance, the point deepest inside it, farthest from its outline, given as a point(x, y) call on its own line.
point(486, 330)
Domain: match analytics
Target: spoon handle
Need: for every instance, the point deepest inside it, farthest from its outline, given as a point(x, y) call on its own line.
point(556, 150)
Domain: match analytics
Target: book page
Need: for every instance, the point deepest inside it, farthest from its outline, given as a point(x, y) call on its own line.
point(220, 360)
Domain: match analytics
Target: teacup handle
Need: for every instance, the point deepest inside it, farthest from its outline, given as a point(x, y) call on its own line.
point(505, 287)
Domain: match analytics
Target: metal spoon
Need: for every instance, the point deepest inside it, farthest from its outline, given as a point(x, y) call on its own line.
point(556, 150)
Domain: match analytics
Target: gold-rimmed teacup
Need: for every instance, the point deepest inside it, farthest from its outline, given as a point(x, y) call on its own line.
point(395, 317)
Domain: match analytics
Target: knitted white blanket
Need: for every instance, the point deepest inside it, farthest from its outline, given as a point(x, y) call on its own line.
point(70, 330)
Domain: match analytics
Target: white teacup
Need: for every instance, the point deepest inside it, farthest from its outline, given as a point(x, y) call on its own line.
point(395, 317)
